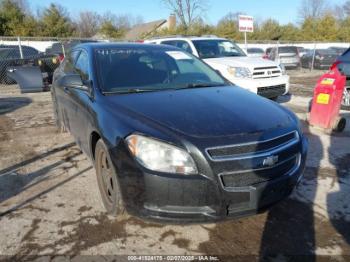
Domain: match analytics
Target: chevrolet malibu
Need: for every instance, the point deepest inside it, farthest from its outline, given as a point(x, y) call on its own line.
point(171, 139)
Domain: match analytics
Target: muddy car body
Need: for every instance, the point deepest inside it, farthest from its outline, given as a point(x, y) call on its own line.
point(184, 147)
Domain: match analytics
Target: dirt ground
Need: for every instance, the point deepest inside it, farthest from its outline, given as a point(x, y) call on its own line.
point(50, 205)
point(303, 81)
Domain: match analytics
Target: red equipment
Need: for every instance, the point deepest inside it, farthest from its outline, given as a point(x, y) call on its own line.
point(328, 95)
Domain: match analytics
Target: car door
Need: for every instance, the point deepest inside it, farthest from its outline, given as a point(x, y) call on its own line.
point(80, 99)
point(62, 94)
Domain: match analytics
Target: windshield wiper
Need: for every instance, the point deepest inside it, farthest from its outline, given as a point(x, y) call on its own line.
point(199, 85)
point(130, 91)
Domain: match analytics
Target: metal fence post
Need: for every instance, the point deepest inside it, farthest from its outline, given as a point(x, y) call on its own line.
point(313, 58)
point(63, 50)
point(20, 47)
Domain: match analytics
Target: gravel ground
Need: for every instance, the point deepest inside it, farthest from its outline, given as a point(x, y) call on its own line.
point(303, 81)
point(49, 203)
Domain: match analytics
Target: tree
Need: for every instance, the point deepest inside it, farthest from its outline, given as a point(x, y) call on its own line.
point(344, 30)
point(309, 29)
point(290, 32)
point(327, 29)
point(187, 11)
point(55, 22)
point(88, 24)
point(312, 9)
point(270, 30)
point(228, 26)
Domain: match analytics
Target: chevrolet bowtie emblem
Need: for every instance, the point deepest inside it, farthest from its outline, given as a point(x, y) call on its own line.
point(270, 161)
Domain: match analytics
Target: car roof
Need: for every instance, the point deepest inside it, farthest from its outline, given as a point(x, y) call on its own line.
point(124, 45)
point(192, 38)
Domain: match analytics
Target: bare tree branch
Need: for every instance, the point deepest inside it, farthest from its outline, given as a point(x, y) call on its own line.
point(312, 9)
point(187, 11)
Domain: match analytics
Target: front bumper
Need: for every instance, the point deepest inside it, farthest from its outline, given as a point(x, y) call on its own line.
point(199, 198)
point(254, 85)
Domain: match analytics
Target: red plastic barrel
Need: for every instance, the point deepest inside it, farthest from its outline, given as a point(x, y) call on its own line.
point(326, 102)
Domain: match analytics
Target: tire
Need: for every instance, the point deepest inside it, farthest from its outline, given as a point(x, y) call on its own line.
point(107, 181)
point(56, 116)
point(345, 105)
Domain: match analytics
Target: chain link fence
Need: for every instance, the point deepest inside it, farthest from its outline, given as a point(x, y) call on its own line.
point(47, 53)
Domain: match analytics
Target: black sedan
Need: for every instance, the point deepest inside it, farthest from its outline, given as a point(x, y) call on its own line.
point(323, 59)
point(171, 139)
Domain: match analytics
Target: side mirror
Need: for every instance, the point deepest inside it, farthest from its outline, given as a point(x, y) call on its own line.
point(74, 81)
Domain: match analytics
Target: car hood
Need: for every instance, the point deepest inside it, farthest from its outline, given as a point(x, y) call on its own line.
point(204, 112)
point(241, 61)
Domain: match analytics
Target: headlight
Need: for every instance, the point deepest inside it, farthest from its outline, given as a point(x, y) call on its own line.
point(160, 156)
point(283, 69)
point(239, 72)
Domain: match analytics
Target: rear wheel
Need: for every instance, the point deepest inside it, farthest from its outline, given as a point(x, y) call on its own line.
point(107, 181)
point(345, 104)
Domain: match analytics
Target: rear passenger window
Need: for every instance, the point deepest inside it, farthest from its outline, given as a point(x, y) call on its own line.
point(180, 44)
point(82, 65)
point(69, 61)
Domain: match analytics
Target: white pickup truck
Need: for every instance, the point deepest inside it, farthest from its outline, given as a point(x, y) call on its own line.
point(263, 77)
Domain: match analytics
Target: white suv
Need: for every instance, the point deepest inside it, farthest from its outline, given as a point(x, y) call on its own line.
point(263, 77)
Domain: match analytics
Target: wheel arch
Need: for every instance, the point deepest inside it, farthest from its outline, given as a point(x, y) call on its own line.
point(94, 137)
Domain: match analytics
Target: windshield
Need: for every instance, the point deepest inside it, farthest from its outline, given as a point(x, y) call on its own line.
point(130, 70)
point(326, 52)
point(288, 49)
point(7, 53)
point(217, 48)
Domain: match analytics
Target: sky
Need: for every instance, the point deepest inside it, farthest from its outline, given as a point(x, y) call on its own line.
point(284, 11)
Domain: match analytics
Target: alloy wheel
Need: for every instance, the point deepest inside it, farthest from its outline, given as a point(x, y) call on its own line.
point(106, 173)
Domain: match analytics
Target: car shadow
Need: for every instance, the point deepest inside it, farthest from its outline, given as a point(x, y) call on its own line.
point(338, 200)
point(12, 183)
point(289, 230)
point(10, 104)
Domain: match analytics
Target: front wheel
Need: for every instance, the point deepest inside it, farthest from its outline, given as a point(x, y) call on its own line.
point(345, 104)
point(107, 181)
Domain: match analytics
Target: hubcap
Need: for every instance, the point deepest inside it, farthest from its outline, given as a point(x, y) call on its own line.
point(346, 97)
point(107, 176)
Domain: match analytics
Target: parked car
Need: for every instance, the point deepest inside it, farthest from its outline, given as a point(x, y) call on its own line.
point(255, 52)
point(178, 142)
point(338, 50)
point(54, 55)
point(302, 51)
point(286, 55)
point(11, 56)
point(343, 65)
point(260, 76)
point(267, 52)
point(323, 59)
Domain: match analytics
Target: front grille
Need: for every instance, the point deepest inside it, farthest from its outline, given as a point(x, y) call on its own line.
point(257, 147)
point(251, 163)
point(266, 72)
point(272, 91)
point(253, 177)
